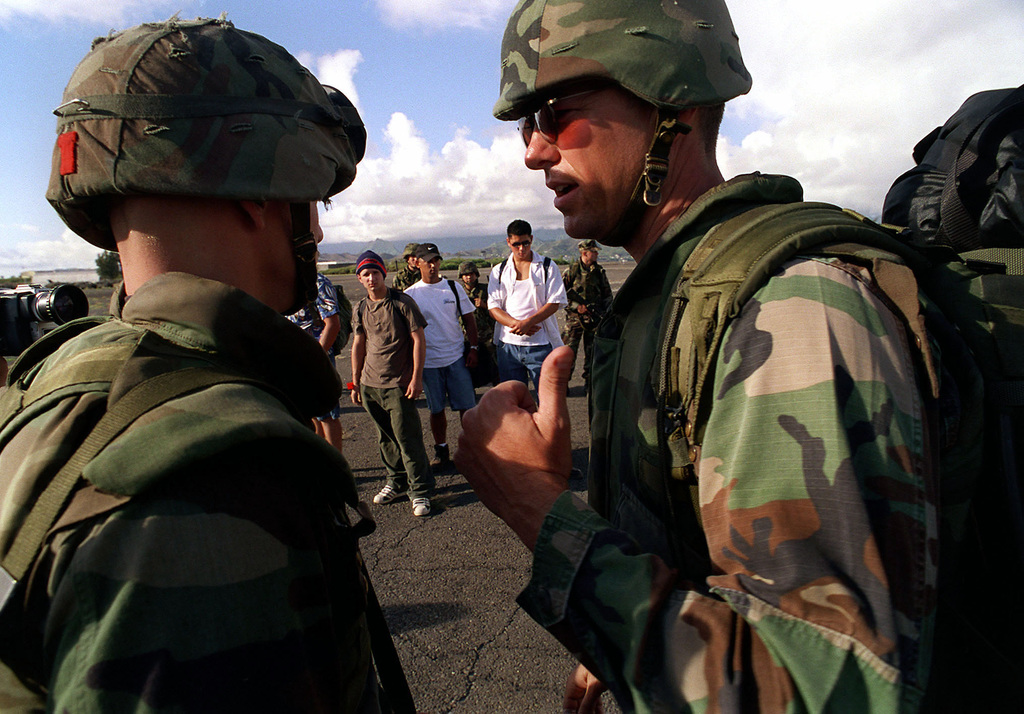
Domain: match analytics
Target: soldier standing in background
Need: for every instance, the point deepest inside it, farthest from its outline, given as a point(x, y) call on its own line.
point(411, 272)
point(469, 274)
point(590, 296)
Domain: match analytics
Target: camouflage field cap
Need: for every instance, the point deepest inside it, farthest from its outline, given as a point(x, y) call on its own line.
point(586, 245)
point(410, 249)
point(196, 108)
point(671, 53)
point(468, 267)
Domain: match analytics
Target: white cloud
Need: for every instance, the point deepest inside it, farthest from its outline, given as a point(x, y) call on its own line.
point(107, 11)
point(843, 91)
point(436, 14)
point(67, 251)
point(337, 70)
point(465, 189)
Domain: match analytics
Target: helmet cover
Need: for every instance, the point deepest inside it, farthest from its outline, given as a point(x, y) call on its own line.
point(196, 108)
point(671, 53)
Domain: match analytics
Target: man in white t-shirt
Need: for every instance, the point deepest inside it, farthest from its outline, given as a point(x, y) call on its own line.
point(445, 371)
point(524, 294)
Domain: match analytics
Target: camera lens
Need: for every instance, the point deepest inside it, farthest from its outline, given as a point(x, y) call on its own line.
point(62, 304)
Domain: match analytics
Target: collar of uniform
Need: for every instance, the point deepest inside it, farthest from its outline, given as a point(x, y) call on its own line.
point(722, 202)
point(232, 328)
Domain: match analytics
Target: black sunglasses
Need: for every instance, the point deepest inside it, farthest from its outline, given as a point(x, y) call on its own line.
point(545, 119)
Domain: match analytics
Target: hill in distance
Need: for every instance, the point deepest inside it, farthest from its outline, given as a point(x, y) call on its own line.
point(552, 243)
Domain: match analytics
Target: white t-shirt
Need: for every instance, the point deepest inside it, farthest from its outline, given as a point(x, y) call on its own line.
point(522, 298)
point(443, 333)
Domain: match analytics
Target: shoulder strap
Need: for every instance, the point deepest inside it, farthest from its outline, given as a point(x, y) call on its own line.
point(501, 268)
point(729, 265)
point(458, 301)
point(140, 399)
point(547, 266)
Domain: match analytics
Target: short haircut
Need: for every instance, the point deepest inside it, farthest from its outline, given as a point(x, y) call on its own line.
point(711, 124)
point(519, 227)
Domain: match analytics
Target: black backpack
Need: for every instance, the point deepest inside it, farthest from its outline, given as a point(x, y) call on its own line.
point(964, 251)
point(963, 205)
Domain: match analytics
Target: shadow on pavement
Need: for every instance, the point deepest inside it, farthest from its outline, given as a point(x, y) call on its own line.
point(405, 618)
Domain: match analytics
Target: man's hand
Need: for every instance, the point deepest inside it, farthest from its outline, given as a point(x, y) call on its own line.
point(524, 327)
point(357, 397)
point(583, 692)
point(471, 358)
point(516, 456)
point(413, 389)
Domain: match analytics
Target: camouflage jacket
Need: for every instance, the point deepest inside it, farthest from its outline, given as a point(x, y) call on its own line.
point(484, 321)
point(198, 567)
point(816, 490)
point(586, 286)
point(404, 278)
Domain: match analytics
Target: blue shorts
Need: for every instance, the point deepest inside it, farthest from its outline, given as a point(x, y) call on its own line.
point(452, 382)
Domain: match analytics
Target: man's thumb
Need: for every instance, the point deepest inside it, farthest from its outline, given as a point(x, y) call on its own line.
point(554, 381)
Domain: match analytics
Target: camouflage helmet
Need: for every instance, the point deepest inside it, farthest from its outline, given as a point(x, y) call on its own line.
point(671, 53)
point(196, 108)
point(468, 267)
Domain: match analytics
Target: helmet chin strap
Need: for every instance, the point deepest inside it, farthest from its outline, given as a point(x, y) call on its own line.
point(647, 192)
point(304, 252)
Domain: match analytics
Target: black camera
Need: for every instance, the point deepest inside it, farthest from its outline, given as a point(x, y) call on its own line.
point(25, 310)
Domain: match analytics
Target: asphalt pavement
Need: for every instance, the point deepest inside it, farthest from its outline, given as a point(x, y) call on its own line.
point(448, 582)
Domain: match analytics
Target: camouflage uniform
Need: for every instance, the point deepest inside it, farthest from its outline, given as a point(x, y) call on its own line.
point(204, 560)
point(816, 495)
point(590, 287)
point(406, 276)
point(184, 519)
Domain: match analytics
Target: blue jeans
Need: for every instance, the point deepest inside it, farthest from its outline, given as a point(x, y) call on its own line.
point(521, 362)
point(452, 381)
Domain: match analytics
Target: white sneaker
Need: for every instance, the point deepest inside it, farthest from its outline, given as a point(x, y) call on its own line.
point(387, 495)
point(421, 506)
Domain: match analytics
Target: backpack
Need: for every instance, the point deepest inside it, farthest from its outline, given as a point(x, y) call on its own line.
point(344, 318)
point(963, 251)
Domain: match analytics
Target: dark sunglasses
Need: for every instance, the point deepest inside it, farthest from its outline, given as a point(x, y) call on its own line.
point(521, 243)
point(545, 119)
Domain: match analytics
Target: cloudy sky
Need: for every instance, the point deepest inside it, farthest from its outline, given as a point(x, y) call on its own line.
point(842, 92)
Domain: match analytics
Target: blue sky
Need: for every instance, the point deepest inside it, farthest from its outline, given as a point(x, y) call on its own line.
point(842, 91)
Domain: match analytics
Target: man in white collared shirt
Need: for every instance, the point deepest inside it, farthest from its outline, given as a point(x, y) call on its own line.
point(524, 294)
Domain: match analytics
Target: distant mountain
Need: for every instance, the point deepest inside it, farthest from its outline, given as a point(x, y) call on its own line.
point(549, 242)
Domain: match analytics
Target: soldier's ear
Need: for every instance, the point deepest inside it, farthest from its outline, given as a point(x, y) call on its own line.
point(254, 212)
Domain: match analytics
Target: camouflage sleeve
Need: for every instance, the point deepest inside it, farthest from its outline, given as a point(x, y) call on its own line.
point(819, 520)
point(223, 590)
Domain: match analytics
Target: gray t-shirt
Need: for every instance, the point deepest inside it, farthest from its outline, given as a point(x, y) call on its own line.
point(388, 325)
